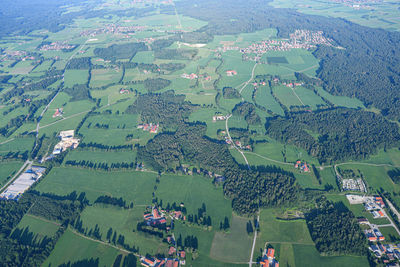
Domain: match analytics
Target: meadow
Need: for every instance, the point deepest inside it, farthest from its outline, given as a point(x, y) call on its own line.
point(8, 169)
point(40, 228)
point(72, 77)
point(133, 186)
point(72, 247)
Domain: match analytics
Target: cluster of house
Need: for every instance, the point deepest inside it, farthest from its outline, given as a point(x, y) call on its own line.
point(268, 258)
point(302, 166)
point(354, 185)
point(154, 262)
point(219, 118)
point(310, 37)
point(152, 128)
point(154, 218)
point(113, 29)
point(374, 235)
point(292, 84)
point(391, 251)
point(191, 76)
point(12, 55)
point(67, 141)
point(259, 83)
point(57, 46)
point(173, 252)
point(24, 181)
point(230, 73)
point(123, 91)
point(159, 216)
point(375, 206)
point(194, 76)
point(357, 4)
point(58, 112)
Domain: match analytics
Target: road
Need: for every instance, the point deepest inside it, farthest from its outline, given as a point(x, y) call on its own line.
point(251, 78)
point(254, 241)
point(26, 163)
point(233, 144)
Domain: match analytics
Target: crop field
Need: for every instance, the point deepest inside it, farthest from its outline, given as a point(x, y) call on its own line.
point(237, 243)
point(72, 77)
point(22, 67)
point(8, 169)
point(72, 247)
point(308, 97)
point(133, 186)
point(123, 221)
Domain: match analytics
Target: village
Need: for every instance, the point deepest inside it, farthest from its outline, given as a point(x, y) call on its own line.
point(375, 205)
point(300, 39)
point(113, 29)
point(57, 46)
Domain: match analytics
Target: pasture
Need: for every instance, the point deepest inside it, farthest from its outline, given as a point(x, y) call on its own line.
point(236, 243)
point(122, 221)
point(103, 77)
point(133, 186)
point(265, 99)
point(72, 77)
point(40, 228)
point(72, 247)
point(8, 169)
point(102, 156)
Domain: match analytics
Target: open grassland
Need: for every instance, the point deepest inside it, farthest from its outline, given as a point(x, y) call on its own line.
point(131, 185)
point(8, 169)
point(39, 227)
point(22, 67)
point(119, 127)
point(206, 115)
point(123, 221)
point(17, 144)
point(390, 234)
point(146, 57)
point(308, 256)
point(102, 77)
point(102, 156)
point(343, 101)
point(67, 123)
point(287, 96)
point(265, 99)
point(236, 243)
point(308, 97)
point(193, 191)
point(232, 60)
point(72, 77)
point(71, 248)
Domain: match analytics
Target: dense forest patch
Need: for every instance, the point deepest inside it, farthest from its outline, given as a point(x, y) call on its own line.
point(335, 134)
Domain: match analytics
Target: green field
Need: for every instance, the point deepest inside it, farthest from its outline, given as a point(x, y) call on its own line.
point(237, 243)
point(72, 77)
point(102, 156)
point(8, 169)
point(131, 185)
point(102, 77)
point(40, 228)
point(123, 222)
point(72, 247)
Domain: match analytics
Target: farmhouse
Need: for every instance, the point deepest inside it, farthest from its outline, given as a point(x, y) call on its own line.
point(154, 218)
point(268, 259)
point(58, 112)
point(230, 73)
point(152, 128)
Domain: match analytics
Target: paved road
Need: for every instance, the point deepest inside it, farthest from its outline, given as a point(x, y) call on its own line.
point(26, 163)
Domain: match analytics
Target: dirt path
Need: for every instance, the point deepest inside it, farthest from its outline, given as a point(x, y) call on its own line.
point(251, 78)
point(254, 241)
point(233, 144)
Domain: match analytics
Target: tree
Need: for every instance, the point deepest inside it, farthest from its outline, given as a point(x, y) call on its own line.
point(109, 234)
point(226, 223)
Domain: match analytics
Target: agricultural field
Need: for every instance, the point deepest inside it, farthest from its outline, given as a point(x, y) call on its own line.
point(72, 247)
point(189, 61)
point(7, 170)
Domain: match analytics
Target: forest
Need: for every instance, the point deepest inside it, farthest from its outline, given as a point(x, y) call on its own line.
point(335, 134)
point(335, 230)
